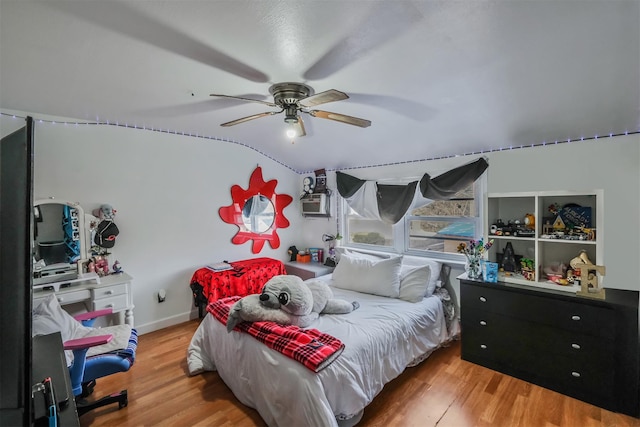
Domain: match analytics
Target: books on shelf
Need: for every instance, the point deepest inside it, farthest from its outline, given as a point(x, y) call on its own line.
point(219, 266)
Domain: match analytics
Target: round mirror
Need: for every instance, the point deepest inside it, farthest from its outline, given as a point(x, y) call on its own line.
point(258, 214)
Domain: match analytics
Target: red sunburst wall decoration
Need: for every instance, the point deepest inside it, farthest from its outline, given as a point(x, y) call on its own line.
point(257, 211)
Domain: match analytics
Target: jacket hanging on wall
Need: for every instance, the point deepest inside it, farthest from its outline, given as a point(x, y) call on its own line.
point(106, 234)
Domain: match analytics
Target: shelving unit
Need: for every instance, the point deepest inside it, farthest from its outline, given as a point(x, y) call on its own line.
point(540, 247)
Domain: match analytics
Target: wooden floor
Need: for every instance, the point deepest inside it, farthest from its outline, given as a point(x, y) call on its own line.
point(442, 391)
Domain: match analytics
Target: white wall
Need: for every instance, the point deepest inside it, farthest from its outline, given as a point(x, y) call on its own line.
point(167, 190)
point(611, 164)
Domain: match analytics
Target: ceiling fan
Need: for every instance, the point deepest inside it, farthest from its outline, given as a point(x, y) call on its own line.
point(296, 98)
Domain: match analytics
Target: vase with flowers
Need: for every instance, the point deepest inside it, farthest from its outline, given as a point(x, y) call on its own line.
point(474, 252)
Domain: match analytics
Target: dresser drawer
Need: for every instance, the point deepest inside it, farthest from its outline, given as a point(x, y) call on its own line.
point(109, 291)
point(520, 357)
point(117, 303)
point(574, 316)
point(66, 297)
point(540, 339)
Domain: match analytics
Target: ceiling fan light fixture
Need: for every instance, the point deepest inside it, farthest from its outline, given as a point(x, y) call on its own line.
point(291, 114)
point(296, 98)
point(291, 132)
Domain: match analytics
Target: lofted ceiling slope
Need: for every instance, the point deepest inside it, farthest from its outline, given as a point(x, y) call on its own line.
point(436, 78)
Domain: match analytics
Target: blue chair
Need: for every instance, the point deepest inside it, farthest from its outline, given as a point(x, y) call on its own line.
point(85, 370)
point(88, 363)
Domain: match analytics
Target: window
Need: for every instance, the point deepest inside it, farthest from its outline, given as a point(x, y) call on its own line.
point(442, 225)
point(433, 228)
point(370, 232)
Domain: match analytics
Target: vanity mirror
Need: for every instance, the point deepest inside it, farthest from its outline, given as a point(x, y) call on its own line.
point(257, 211)
point(59, 241)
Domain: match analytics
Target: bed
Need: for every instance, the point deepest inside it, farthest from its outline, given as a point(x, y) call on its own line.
point(382, 337)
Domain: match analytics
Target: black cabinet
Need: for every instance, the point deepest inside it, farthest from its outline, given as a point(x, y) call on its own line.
point(584, 348)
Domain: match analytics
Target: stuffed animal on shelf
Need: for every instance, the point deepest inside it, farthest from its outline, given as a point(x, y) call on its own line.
point(288, 300)
point(105, 211)
point(101, 266)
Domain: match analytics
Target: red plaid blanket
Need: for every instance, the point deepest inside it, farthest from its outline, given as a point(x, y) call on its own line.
point(312, 348)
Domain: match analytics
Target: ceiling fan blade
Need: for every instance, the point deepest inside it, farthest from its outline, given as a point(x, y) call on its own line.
point(323, 97)
point(341, 118)
point(246, 119)
point(300, 127)
point(270, 104)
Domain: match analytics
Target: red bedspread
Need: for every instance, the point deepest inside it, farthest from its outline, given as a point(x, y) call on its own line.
point(247, 277)
point(312, 348)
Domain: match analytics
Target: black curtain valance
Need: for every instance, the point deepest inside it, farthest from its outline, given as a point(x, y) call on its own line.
point(389, 203)
point(445, 186)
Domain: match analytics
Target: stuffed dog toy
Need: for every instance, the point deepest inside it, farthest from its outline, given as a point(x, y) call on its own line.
point(288, 300)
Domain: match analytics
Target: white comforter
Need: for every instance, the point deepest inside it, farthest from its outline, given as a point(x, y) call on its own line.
point(381, 339)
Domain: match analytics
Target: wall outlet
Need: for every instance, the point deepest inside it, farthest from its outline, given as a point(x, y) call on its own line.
point(162, 295)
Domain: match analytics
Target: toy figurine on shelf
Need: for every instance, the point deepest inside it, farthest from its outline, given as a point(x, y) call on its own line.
point(530, 221)
point(526, 268)
point(293, 253)
point(582, 258)
point(117, 268)
point(101, 266)
point(508, 259)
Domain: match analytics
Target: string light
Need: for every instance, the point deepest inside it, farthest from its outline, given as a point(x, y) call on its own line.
point(229, 141)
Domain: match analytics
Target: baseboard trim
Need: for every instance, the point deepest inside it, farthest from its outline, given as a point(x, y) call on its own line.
point(166, 322)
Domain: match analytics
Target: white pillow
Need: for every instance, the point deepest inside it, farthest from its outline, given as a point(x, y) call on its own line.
point(434, 277)
point(357, 254)
point(380, 277)
point(48, 317)
point(414, 281)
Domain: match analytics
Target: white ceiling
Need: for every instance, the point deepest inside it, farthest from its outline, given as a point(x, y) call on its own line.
point(436, 78)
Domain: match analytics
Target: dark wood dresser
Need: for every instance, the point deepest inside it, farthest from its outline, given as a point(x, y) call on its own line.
point(584, 348)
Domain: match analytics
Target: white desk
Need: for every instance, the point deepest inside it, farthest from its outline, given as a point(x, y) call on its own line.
point(113, 291)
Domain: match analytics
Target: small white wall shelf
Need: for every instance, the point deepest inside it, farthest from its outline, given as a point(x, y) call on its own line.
point(539, 247)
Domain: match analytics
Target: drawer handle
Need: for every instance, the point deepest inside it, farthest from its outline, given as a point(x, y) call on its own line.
point(576, 346)
point(575, 374)
point(109, 305)
point(575, 317)
point(60, 299)
point(482, 346)
point(109, 292)
point(483, 323)
point(483, 299)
